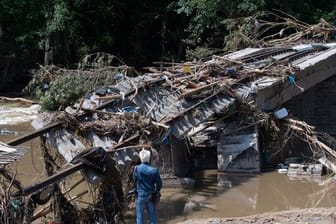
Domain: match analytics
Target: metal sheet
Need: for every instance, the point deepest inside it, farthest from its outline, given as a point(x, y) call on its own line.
point(230, 149)
point(10, 154)
point(201, 114)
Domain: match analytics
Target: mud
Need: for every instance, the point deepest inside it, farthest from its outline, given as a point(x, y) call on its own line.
point(222, 196)
point(304, 216)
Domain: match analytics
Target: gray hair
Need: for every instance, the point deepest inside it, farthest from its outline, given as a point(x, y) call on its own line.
point(144, 156)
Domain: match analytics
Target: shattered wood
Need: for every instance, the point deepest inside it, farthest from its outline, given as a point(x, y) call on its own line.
point(203, 104)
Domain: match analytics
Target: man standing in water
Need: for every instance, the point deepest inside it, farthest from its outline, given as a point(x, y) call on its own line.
point(148, 186)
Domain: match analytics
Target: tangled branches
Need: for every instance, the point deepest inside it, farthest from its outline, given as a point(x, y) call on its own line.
point(274, 30)
point(271, 29)
point(9, 207)
point(117, 124)
point(59, 87)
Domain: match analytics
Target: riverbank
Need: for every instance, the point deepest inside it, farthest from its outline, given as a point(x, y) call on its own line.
point(302, 216)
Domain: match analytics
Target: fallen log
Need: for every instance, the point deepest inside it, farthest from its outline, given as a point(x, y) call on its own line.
point(327, 163)
point(20, 101)
point(50, 180)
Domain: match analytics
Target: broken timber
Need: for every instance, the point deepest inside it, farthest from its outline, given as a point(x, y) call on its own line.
point(49, 180)
point(172, 110)
point(257, 76)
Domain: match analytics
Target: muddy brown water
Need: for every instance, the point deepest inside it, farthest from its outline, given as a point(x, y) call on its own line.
point(215, 194)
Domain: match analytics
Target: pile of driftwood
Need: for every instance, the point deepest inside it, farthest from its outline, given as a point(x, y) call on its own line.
point(296, 31)
point(58, 87)
point(89, 79)
point(278, 28)
point(6, 207)
point(196, 82)
point(321, 144)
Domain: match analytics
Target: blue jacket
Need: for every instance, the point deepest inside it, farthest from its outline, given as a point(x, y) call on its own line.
point(147, 179)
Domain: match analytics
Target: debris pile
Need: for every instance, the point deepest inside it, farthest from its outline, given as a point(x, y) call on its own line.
point(224, 109)
point(57, 87)
point(279, 28)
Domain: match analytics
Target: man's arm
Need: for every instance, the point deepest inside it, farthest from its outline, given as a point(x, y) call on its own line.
point(134, 173)
point(158, 181)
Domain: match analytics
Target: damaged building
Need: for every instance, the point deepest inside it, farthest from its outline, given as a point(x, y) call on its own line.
point(233, 112)
point(206, 115)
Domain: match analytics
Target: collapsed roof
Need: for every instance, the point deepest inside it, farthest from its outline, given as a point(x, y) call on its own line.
point(214, 103)
point(183, 96)
point(191, 99)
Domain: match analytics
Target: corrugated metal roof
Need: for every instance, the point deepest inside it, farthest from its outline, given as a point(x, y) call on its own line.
point(10, 154)
point(158, 102)
point(220, 104)
point(154, 94)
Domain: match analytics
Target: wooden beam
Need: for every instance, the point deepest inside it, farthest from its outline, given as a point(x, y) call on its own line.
point(11, 179)
point(32, 135)
point(50, 180)
point(196, 90)
point(327, 163)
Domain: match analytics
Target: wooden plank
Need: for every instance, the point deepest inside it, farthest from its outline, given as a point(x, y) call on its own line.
point(196, 90)
point(11, 179)
point(32, 135)
point(327, 163)
point(50, 180)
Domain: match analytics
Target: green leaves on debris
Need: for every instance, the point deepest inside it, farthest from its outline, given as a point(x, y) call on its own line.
point(57, 87)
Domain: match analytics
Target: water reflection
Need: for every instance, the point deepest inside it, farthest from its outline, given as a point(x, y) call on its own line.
point(223, 195)
point(29, 168)
point(215, 194)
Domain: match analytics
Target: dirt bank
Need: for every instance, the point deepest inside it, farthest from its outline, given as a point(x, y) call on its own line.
point(304, 216)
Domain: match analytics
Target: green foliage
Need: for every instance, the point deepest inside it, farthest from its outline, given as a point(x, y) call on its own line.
point(201, 53)
point(18, 19)
point(65, 90)
point(208, 18)
point(138, 32)
point(57, 15)
point(217, 23)
point(248, 8)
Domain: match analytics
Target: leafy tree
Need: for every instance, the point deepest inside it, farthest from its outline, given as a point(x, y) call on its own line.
point(208, 19)
point(61, 32)
point(19, 24)
point(216, 23)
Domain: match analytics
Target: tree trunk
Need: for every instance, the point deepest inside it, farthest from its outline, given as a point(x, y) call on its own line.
point(47, 51)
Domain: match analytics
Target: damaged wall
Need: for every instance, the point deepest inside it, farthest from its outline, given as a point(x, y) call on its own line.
point(317, 106)
point(181, 158)
point(239, 153)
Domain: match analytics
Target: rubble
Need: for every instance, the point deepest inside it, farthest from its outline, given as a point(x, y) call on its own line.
point(225, 109)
